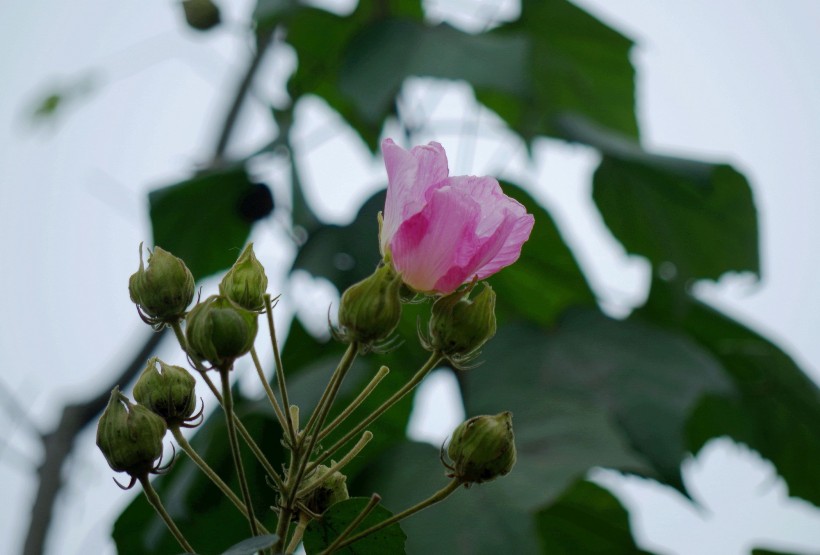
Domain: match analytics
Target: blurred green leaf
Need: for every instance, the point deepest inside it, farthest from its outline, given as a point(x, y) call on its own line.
point(321, 533)
point(201, 220)
point(585, 519)
point(481, 520)
point(592, 392)
point(252, 545)
point(575, 65)
point(690, 219)
point(761, 551)
point(777, 407)
point(546, 279)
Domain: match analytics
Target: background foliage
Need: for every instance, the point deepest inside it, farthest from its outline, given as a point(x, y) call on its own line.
point(636, 394)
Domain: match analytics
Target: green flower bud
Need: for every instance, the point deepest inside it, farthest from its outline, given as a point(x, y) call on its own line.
point(483, 448)
point(459, 326)
point(220, 332)
point(332, 490)
point(130, 436)
point(371, 309)
point(246, 282)
point(164, 290)
point(167, 392)
point(201, 14)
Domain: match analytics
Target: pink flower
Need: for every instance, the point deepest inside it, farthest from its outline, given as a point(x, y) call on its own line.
point(442, 231)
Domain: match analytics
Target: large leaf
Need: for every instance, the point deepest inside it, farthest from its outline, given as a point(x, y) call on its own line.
point(379, 59)
point(321, 533)
point(585, 519)
point(321, 40)
point(778, 407)
point(593, 392)
point(691, 219)
point(206, 220)
point(576, 65)
point(481, 520)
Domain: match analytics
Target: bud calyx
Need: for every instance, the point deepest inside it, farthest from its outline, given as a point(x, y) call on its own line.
point(482, 448)
point(164, 290)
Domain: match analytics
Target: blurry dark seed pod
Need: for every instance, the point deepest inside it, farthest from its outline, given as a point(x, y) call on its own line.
point(201, 14)
point(164, 290)
point(460, 326)
point(371, 309)
point(168, 392)
point(246, 282)
point(483, 448)
point(219, 331)
point(130, 436)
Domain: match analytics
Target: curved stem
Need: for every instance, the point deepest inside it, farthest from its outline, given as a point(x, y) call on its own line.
point(304, 520)
point(271, 397)
point(365, 439)
point(234, 442)
point(431, 363)
point(280, 371)
point(155, 502)
point(213, 476)
point(355, 403)
point(440, 495)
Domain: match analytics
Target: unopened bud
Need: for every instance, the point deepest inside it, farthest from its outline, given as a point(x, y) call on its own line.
point(220, 332)
point(246, 282)
point(130, 436)
point(333, 489)
point(483, 448)
point(167, 392)
point(371, 309)
point(164, 290)
point(460, 326)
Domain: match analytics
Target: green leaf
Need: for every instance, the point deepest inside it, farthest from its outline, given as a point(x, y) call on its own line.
point(690, 219)
point(585, 519)
point(201, 220)
point(379, 59)
point(252, 545)
point(481, 520)
point(546, 279)
point(762, 551)
point(575, 65)
point(321, 533)
point(777, 407)
point(593, 392)
point(321, 40)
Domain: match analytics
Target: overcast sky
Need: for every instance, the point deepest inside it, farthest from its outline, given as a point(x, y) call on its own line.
point(732, 81)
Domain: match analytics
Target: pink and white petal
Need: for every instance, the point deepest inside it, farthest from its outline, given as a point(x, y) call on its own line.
point(511, 249)
point(409, 176)
point(437, 241)
point(487, 193)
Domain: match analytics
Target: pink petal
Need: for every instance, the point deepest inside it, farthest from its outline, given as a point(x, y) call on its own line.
point(409, 176)
point(435, 242)
point(511, 248)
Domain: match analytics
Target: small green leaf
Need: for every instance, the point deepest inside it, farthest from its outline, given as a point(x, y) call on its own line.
point(252, 545)
point(321, 533)
point(586, 519)
point(201, 220)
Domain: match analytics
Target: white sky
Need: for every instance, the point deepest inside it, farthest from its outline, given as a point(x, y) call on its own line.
point(734, 81)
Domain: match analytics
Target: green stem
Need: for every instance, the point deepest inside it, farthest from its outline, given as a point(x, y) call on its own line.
point(322, 410)
point(280, 370)
point(365, 439)
point(227, 404)
point(440, 495)
point(214, 477)
point(374, 500)
point(257, 452)
point(355, 403)
point(155, 502)
point(431, 363)
point(271, 397)
point(304, 520)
